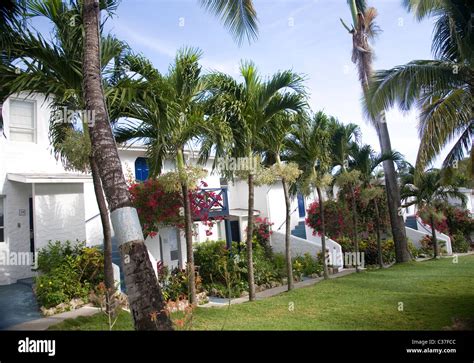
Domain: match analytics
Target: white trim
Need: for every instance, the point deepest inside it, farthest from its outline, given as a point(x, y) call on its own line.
point(49, 178)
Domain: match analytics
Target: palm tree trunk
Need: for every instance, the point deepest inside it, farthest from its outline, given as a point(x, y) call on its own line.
point(250, 239)
point(377, 232)
point(289, 265)
point(144, 293)
point(104, 218)
point(393, 195)
point(433, 237)
point(188, 222)
point(393, 192)
point(323, 232)
point(354, 226)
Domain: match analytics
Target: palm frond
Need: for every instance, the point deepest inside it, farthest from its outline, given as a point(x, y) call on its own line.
point(239, 16)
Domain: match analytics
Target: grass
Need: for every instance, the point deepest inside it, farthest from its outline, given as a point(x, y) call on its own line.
point(432, 293)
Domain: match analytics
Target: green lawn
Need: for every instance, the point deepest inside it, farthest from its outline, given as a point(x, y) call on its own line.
point(432, 293)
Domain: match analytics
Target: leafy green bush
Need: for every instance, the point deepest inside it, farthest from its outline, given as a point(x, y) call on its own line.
point(220, 268)
point(279, 262)
point(459, 243)
point(427, 246)
point(67, 271)
point(307, 265)
point(174, 284)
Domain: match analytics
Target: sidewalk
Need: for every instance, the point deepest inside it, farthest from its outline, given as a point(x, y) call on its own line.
point(222, 302)
point(45, 323)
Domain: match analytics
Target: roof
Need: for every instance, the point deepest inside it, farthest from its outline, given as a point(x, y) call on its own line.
point(49, 178)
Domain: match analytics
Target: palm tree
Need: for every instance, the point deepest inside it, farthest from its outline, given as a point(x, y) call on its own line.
point(367, 162)
point(146, 300)
point(424, 192)
point(344, 140)
point(53, 68)
point(364, 29)
point(248, 108)
point(309, 147)
point(170, 117)
point(144, 293)
point(277, 131)
point(442, 88)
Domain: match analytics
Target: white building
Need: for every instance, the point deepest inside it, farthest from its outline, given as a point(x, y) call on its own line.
point(40, 201)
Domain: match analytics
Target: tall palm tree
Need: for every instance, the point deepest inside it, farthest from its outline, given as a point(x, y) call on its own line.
point(363, 30)
point(248, 108)
point(147, 298)
point(144, 293)
point(344, 140)
point(442, 88)
point(277, 131)
point(309, 147)
point(424, 192)
point(52, 67)
point(167, 118)
point(367, 162)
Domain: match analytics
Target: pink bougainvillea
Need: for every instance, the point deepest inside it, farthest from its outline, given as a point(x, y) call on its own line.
point(157, 207)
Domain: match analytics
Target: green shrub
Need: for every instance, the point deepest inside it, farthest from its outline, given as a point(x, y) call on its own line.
point(415, 252)
point(174, 284)
point(459, 243)
point(220, 268)
point(370, 249)
point(427, 246)
point(67, 271)
point(307, 265)
point(279, 262)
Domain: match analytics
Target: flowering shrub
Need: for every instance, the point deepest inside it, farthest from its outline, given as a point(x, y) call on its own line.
point(158, 206)
point(336, 217)
point(339, 215)
point(262, 230)
point(68, 271)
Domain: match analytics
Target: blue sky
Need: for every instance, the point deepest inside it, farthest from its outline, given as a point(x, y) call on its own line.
point(303, 35)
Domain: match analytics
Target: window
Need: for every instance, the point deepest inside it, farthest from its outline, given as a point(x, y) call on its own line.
point(2, 222)
point(22, 121)
point(141, 169)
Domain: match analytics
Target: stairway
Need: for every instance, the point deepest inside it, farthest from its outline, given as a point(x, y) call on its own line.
point(299, 230)
point(411, 222)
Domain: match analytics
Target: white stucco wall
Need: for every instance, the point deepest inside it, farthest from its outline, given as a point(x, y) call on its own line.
point(423, 230)
point(301, 246)
point(60, 213)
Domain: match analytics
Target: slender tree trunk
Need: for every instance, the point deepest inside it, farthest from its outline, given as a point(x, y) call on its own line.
point(104, 218)
point(393, 192)
point(377, 232)
point(249, 241)
point(144, 293)
point(354, 226)
point(433, 237)
point(323, 232)
point(393, 195)
point(188, 222)
point(289, 265)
